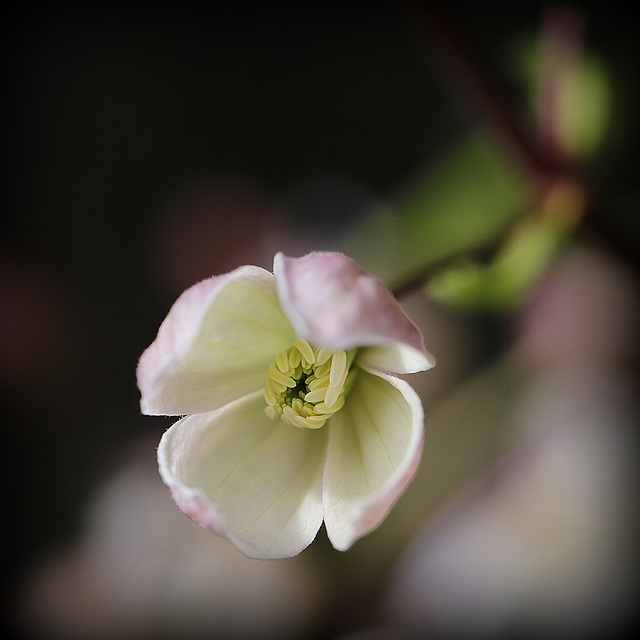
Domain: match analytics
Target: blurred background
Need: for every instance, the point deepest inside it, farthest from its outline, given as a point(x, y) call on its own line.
point(479, 159)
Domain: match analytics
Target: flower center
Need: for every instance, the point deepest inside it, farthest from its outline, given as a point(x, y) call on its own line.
point(306, 386)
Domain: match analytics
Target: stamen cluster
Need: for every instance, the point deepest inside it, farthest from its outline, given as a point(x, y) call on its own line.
point(307, 385)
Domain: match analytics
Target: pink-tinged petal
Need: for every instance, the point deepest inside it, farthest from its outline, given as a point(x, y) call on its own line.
point(332, 302)
point(375, 445)
point(215, 345)
point(253, 480)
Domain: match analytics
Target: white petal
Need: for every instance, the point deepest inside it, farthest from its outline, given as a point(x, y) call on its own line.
point(397, 358)
point(375, 444)
point(215, 345)
point(331, 302)
point(253, 480)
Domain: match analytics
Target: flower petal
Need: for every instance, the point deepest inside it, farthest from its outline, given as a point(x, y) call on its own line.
point(253, 480)
point(331, 302)
point(375, 444)
point(215, 345)
point(397, 358)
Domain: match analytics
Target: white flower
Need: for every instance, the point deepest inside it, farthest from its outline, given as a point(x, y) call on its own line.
point(292, 417)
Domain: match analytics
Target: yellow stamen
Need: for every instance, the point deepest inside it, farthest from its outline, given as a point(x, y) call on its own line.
point(269, 394)
point(305, 349)
point(323, 355)
point(283, 362)
point(307, 385)
point(317, 395)
point(278, 376)
point(322, 381)
point(338, 365)
point(294, 358)
point(322, 407)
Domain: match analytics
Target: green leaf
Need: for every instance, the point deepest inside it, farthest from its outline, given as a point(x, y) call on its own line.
point(504, 283)
point(469, 194)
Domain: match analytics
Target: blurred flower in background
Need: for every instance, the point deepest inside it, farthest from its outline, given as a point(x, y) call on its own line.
point(544, 545)
point(142, 570)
